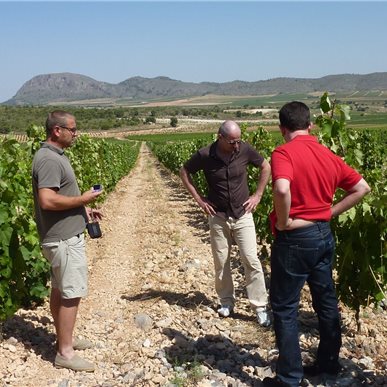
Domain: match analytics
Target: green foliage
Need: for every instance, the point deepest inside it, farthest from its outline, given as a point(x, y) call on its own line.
point(173, 122)
point(187, 373)
point(174, 137)
point(150, 120)
point(23, 270)
point(360, 232)
point(265, 143)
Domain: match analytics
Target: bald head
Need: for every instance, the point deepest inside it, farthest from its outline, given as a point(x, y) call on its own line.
point(230, 128)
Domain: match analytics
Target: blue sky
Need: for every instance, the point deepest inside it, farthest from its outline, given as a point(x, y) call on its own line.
point(198, 41)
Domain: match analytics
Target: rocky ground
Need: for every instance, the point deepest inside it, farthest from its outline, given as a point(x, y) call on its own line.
point(151, 308)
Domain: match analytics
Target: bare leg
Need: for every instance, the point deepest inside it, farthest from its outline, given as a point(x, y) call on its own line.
point(55, 301)
point(64, 312)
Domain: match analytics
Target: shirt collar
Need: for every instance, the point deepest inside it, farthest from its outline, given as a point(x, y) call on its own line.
point(54, 148)
point(214, 155)
point(307, 137)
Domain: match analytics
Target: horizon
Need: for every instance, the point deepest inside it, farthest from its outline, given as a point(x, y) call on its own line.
point(215, 41)
point(205, 81)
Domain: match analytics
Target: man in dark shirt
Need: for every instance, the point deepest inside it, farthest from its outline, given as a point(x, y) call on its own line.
point(229, 207)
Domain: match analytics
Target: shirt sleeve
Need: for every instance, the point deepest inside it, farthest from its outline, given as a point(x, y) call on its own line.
point(254, 157)
point(281, 166)
point(49, 174)
point(348, 176)
point(194, 164)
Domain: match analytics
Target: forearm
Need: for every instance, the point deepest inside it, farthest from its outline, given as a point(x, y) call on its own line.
point(263, 179)
point(282, 202)
point(282, 209)
point(351, 198)
point(187, 181)
point(50, 199)
point(59, 202)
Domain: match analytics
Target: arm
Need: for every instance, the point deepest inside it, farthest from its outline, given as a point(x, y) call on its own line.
point(50, 199)
point(203, 203)
point(352, 197)
point(252, 202)
point(282, 200)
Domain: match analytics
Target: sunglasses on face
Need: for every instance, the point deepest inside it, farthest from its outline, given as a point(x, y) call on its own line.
point(233, 142)
point(72, 130)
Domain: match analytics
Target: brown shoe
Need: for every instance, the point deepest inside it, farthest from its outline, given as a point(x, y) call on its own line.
point(76, 363)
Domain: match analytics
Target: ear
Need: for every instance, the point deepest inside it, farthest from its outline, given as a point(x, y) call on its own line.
point(310, 127)
point(55, 133)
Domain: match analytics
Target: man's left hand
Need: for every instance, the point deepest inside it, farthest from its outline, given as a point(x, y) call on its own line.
point(93, 213)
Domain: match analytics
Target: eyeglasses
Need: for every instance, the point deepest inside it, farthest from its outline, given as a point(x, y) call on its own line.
point(72, 130)
point(233, 142)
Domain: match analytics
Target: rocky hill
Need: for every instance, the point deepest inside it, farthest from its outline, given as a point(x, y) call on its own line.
point(67, 87)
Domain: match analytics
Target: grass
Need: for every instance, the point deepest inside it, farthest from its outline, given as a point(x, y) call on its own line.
point(188, 374)
point(368, 119)
point(173, 137)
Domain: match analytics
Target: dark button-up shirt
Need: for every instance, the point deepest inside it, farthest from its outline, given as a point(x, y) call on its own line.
point(227, 181)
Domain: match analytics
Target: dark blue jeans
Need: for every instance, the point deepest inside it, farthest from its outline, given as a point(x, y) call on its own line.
point(299, 256)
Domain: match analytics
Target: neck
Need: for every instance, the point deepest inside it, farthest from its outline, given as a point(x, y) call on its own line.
point(55, 143)
point(288, 136)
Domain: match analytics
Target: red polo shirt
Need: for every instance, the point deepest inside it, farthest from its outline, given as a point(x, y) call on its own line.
point(314, 173)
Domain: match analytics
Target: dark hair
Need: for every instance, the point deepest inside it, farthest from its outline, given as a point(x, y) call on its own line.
point(57, 118)
point(294, 116)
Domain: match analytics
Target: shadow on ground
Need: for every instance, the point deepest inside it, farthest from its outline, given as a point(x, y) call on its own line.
point(33, 332)
point(216, 352)
point(189, 300)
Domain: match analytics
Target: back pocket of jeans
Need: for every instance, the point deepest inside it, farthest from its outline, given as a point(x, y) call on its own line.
point(301, 260)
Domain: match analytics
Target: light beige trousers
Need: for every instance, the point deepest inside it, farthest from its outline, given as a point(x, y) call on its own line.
point(223, 232)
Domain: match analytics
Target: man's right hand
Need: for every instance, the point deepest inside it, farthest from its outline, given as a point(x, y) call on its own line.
point(206, 206)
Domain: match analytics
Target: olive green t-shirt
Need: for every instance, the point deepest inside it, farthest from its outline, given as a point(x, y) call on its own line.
point(52, 169)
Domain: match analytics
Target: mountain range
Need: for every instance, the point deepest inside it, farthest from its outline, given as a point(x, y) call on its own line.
point(68, 87)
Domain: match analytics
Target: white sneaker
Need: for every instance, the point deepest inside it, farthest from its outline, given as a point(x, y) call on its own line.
point(225, 310)
point(263, 316)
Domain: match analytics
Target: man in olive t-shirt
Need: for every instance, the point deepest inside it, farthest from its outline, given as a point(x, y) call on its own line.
point(61, 218)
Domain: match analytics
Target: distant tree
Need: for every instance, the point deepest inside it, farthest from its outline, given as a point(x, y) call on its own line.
point(238, 114)
point(106, 125)
point(4, 130)
point(173, 122)
point(150, 120)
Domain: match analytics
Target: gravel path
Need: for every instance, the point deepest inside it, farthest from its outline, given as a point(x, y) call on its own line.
point(151, 307)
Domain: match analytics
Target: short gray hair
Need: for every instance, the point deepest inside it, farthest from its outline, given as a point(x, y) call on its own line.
point(57, 118)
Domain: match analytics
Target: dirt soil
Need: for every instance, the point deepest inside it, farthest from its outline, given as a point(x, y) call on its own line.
point(151, 307)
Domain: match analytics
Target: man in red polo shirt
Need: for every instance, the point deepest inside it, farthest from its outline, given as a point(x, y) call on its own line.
point(305, 176)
